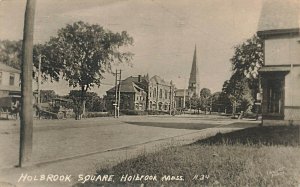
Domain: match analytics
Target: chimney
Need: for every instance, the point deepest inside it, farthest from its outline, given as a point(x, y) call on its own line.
point(139, 78)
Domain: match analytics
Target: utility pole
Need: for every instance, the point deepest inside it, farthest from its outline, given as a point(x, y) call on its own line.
point(38, 86)
point(211, 102)
point(183, 106)
point(26, 118)
point(119, 94)
point(116, 94)
point(170, 102)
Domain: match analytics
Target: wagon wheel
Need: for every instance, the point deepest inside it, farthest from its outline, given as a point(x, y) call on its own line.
point(68, 115)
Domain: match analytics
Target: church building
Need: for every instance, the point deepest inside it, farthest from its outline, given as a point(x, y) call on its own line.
point(182, 96)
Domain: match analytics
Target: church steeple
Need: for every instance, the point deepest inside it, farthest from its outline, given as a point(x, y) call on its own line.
point(194, 81)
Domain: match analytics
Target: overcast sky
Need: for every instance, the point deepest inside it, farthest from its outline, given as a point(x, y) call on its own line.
point(165, 33)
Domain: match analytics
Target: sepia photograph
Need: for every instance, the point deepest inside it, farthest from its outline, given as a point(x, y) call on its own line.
point(149, 93)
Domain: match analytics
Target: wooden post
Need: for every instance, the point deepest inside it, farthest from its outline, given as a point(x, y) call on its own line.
point(26, 118)
point(119, 95)
point(38, 86)
point(116, 94)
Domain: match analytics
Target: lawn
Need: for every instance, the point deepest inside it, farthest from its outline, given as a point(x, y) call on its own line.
point(257, 156)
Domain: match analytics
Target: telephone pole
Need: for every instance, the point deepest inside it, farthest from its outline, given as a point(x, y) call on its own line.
point(26, 117)
point(38, 86)
point(117, 93)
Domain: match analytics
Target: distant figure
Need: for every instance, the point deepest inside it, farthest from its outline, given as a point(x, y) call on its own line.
point(15, 108)
point(241, 115)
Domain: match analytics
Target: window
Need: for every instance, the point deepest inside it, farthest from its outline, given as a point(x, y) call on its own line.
point(0, 77)
point(11, 79)
point(160, 93)
point(154, 92)
point(166, 94)
point(275, 96)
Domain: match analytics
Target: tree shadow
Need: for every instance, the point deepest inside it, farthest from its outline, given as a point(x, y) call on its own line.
point(265, 135)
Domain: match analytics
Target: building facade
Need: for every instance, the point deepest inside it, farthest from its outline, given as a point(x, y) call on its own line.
point(10, 90)
point(280, 75)
point(160, 94)
point(132, 96)
point(9, 81)
point(141, 93)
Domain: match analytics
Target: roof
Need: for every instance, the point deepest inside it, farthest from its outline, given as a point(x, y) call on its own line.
point(4, 67)
point(278, 68)
point(159, 80)
point(10, 88)
point(279, 15)
point(5, 101)
point(127, 86)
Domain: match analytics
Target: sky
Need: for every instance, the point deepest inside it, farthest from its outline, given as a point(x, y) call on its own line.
point(165, 33)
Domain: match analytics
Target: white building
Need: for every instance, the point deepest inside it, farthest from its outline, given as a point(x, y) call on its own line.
point(280, 75)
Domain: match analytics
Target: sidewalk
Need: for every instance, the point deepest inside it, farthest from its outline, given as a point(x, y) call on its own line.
point(88, 164)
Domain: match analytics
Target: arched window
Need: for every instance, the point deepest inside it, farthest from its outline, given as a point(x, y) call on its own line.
point(160, 93)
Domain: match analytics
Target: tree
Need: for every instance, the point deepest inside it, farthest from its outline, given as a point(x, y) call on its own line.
point(10, 53)
point(238, 91)
point(248, 58)
point(243, 85)
point(195, 103)
point(47, 95)
point(85, 52)
point(205, 95)
point(93, 102)
point(221, 102)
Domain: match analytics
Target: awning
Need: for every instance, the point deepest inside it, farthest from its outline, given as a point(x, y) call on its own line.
point(5, 102)
point(275, 69)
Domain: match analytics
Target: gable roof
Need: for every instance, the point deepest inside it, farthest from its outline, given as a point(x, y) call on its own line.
point(127, 86)
point(6, 68)
point(279, 15)
point(159, 80)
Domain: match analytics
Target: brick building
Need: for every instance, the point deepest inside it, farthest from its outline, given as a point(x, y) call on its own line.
point(132, 96)
point(141, 93)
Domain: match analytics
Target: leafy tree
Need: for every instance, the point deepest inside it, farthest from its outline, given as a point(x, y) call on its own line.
point(221, 102)
point(205, 95)
point(238, 91)
point(10, 53)
point(93, 102)
point(85, 52)
point(248, 58)
point(243, 85)
point(194, 103)
point(47, 95)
